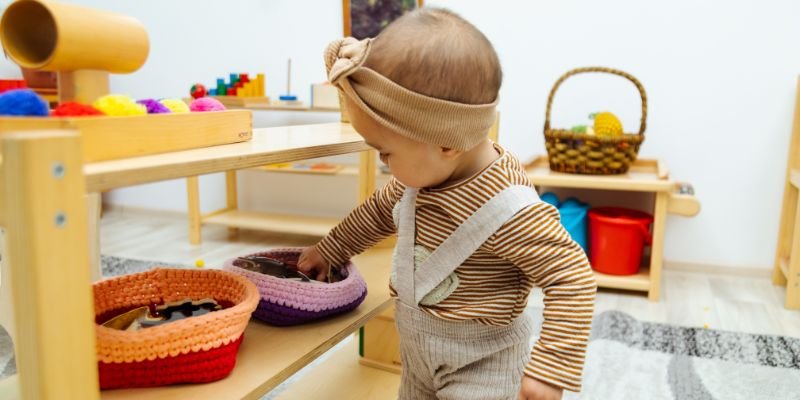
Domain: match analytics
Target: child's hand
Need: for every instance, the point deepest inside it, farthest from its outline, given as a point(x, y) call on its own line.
point(533, 389)
point(311, 261)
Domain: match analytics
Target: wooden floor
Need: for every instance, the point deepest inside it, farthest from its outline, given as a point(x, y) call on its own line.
point(734, 303)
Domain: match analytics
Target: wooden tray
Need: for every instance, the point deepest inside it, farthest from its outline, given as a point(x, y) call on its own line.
point(304, 168)
point(644, 175)
point(111, 138)
point(235, 101)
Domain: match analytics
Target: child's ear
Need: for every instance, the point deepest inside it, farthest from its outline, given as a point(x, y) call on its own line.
point(450, 154)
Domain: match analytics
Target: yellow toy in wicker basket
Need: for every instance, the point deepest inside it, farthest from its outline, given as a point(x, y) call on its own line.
point(604, 151)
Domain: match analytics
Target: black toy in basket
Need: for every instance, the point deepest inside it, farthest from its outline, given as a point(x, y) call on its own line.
point(584, 153)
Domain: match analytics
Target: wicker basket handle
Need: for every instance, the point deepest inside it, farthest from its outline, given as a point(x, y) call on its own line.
point(576, 71)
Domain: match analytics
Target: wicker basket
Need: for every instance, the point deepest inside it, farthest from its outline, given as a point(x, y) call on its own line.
point(286, 302)
point(581, 153)
point(192, 350)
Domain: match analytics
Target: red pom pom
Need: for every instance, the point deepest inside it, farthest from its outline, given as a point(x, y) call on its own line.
point(75, 109)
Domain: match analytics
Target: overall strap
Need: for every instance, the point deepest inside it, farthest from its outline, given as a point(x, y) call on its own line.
point(464, 241)
point(404, 250)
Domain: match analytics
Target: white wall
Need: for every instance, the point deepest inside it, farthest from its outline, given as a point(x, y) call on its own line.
point(720, 76)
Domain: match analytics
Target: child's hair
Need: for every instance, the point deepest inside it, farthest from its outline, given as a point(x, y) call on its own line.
point(435, 52)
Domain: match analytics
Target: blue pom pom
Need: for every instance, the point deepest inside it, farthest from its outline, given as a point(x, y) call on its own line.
point(23, 102)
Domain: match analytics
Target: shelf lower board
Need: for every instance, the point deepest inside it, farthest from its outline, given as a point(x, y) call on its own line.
point(291, 224)
point(348, 170)
point(638, 282)
point(269, 355)
point(342, 377)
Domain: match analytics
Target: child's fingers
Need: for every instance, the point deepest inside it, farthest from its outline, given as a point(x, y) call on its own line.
point(322, 274)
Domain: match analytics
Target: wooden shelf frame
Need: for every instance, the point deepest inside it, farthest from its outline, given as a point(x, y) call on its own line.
point(234, 218)
point(786, 270)
point(645, 175)
point(43, 188)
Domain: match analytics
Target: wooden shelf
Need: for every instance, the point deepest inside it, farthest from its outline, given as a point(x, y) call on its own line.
point(644, 176)
point(291, 224)
point(342, 377)
point(786, 270)
point(269, 354)
point(639, 282)
point(268, 146)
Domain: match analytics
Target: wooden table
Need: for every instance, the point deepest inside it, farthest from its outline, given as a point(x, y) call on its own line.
point(43, 183)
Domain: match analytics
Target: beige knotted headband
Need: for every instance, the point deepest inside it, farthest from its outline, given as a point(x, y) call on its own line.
point(422, 118)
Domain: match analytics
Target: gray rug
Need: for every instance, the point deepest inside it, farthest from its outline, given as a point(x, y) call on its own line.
point(630, 359)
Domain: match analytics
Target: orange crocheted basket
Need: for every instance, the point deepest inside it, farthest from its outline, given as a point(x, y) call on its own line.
point(192, 350)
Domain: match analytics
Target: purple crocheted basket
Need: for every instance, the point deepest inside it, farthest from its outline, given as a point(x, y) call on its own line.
point(287, 302)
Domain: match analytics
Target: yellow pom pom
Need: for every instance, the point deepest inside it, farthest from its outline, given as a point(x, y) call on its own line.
point(175, 105)
point(199, 263)
point(607, 124)
point(119, 105)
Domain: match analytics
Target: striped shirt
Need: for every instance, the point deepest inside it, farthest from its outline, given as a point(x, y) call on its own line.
point(530, 249)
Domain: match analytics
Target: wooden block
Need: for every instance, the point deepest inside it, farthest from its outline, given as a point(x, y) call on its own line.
point(261, 85)
point(111, 138)
point(381, 343)
point(324, 95)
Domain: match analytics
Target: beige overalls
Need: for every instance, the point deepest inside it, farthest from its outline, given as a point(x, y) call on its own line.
point(446, 359)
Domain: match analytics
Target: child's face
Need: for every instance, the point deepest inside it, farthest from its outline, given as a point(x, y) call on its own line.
point(413, 163)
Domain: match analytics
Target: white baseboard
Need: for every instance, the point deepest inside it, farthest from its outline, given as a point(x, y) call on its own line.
point(683, 266)
point(121, 209)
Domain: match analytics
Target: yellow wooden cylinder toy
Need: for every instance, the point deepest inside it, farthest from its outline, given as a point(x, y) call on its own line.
point(65, 37)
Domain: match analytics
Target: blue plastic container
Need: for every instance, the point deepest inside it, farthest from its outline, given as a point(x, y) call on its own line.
point(574, 217)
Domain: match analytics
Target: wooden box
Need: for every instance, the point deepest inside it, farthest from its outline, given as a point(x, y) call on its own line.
point(110, 138)
point(324, 95)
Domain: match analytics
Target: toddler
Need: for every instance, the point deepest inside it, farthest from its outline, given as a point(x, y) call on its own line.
point(473, 236)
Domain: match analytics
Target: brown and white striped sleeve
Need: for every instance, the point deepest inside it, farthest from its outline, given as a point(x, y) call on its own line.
point(535, 242)
point(364, 227)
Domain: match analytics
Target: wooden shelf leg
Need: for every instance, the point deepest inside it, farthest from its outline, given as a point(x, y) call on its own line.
point(94, 205)
point(793, 276)
point(657, 248)
point(195, 223)
point(6, 297)
point(367, 172)
point(47, 249)
point(787, 226)
point(232, 198)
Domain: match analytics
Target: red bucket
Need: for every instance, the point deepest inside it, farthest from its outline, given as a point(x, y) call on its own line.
point(617, 237)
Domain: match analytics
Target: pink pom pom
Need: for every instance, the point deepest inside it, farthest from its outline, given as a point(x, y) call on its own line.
point(206, 104)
